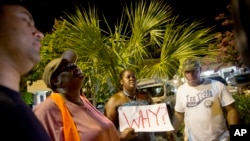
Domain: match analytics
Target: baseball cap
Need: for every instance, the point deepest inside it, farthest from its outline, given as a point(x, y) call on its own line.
point(191, 64)
point(53, 65)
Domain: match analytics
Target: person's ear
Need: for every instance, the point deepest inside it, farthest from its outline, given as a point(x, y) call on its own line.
point(121, 82)
point(56, 82)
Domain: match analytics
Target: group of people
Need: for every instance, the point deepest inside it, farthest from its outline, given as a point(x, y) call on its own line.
point(67, 115)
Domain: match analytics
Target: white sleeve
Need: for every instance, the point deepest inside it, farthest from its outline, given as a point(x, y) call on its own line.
point(225, 96)
point(178, 102)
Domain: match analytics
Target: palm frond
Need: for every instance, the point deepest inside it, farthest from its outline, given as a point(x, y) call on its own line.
point(147, 22)
point(180, 41)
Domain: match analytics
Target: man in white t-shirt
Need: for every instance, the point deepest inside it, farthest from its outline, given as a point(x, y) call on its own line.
point(200, 103)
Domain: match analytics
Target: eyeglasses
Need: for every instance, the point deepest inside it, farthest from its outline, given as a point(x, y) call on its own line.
point(65, 67)
point(69, 67)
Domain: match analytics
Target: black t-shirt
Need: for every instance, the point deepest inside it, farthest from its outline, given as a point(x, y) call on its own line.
point(17, 121)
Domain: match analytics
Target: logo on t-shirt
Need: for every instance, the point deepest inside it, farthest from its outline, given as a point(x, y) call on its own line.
point(193, 101)
point(208, 103)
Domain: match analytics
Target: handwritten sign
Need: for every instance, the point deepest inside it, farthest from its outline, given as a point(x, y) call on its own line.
point(148, 118)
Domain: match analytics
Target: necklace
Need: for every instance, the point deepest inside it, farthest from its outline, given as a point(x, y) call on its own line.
point(129, 96)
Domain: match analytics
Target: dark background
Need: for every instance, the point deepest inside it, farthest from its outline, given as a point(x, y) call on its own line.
point(45, 11)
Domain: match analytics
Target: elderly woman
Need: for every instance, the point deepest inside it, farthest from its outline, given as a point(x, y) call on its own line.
point(66, 114)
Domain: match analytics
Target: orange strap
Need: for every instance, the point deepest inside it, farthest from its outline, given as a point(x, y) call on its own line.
point(69, 127)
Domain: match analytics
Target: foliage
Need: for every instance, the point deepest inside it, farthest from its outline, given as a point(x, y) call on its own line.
point(26, 96)
point(103, 53)
point(179, 42)
point(242, 103)
point(225, 42)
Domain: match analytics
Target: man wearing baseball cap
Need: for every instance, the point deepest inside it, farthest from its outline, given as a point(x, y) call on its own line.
point(200, 103)
point(19, 53)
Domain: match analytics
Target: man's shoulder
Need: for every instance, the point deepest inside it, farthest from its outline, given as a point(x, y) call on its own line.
point(7, 92)
point(217, 79)
point(9, 97)
point(183, 86)
point(217, 83)
point(4, 96)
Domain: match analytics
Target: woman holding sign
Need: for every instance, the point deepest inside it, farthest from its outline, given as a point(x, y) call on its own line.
point(128, 96)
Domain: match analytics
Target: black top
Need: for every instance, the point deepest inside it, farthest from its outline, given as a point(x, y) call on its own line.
point(17, 121)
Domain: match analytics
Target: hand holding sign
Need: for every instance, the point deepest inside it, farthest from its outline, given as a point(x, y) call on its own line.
point(147, 118)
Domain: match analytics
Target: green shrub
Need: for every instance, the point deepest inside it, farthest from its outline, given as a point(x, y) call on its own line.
point(27, 98)
point(242, 103)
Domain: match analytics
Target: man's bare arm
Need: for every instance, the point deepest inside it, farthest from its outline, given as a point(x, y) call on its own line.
point(178, 118)
point(232, 114)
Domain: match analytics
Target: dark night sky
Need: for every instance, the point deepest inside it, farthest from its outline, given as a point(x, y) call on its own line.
point(45, 11)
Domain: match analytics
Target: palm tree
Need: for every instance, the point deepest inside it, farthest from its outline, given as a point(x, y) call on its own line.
point(179, 42)
point(103, 53)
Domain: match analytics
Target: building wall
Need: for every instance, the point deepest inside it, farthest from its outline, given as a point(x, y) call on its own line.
point(39, 91)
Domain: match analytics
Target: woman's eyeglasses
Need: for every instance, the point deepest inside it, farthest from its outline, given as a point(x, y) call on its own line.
point(69, 67)
point(63, 67)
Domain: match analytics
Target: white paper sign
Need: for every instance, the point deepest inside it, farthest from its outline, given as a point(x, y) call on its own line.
point(148, 118)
